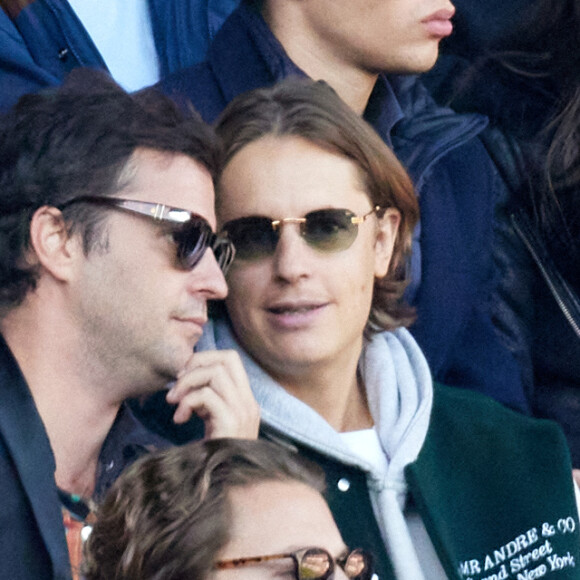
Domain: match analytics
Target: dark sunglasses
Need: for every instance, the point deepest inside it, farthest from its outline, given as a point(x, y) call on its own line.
point(192, 233)
point(314, 564)
point(326, 230)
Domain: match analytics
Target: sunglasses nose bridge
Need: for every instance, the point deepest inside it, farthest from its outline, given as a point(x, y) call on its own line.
point(277, 227)
point(277, 224)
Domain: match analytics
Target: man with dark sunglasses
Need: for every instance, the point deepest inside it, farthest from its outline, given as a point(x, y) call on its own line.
point(108, 258)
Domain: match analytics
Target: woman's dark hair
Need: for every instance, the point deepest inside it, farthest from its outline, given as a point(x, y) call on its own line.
point(167, 516)
point(314, 112)
point(75, 140)
point(547, 60)
point(528, 83)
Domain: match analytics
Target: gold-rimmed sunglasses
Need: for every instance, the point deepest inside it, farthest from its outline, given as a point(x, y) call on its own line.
point(326, 230)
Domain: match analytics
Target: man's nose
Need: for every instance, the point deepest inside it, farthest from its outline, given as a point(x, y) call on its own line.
point(208, 278)
point(292, 256)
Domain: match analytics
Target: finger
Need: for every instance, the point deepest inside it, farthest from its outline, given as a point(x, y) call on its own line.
point(238, 412)
point(229, 359)
point(215, 386)
point(216, 378)
point(221, 419)
point(224, 373)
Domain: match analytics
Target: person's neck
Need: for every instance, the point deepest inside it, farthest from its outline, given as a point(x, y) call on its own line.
point(77, 425)
point(76, 411)
point(333, 390)
point(354, 85)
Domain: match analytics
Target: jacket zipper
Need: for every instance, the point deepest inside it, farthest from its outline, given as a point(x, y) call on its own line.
point(560, 289)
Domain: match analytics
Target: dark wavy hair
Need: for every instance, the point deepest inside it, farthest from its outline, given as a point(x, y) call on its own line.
point(313, 111)
point(549, 56)
point(167, 517)
point(540, 61)
point(74, 140)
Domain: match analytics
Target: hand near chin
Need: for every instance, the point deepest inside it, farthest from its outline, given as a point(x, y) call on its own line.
point(214, 386)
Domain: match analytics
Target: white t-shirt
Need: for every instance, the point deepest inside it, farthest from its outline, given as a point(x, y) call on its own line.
point(366, 444)
point(121, 30)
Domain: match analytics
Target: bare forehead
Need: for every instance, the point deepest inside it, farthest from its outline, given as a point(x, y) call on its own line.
point(280, 515)
point(288, 174)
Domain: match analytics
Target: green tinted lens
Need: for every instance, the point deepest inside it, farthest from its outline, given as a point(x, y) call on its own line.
point(329, 230)
point(326, 230)
point(253, 237)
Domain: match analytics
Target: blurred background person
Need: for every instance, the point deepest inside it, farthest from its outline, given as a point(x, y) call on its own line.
point(138, 41)
point(527, 80)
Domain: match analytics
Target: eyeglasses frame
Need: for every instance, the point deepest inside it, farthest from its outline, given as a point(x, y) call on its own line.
point(160, 212)
point(355, 219)
point(277, 223)
point(341, 561)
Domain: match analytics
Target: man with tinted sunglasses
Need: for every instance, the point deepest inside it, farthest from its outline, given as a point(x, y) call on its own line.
point(370, 52)
point(108, 259)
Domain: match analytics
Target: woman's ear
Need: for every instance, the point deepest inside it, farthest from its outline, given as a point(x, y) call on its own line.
point(388, 227)
point(52, 246)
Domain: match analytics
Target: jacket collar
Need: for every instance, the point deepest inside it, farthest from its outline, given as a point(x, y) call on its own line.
point(265, 61)
point(246, 55)
point(183, 30)
point(23, 432)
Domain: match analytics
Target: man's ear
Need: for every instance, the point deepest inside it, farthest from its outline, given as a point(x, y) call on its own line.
point(51, 243)
point(385, 241)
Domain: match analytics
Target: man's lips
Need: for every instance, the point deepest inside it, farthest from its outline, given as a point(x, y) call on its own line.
point(294, 308)
point(439, 23)
point(293, 316)
point(197, 320)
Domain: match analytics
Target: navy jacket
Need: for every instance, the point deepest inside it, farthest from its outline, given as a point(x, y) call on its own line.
point(32, 536)
point(452, 270)
point(43, 40)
